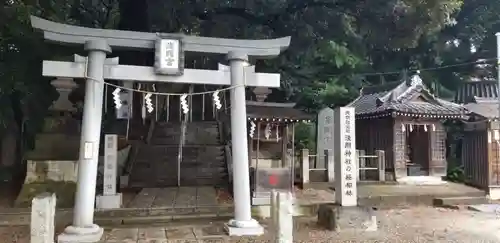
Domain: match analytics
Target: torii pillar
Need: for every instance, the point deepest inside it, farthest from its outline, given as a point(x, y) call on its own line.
point(98, 42)
point(242, 224)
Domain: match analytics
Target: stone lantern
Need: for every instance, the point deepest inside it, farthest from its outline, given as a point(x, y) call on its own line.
point(64, 86)
point(261, 93)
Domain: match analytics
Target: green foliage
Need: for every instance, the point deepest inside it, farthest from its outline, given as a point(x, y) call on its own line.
point(455, 174)
point(331, 42)
point(305, 137)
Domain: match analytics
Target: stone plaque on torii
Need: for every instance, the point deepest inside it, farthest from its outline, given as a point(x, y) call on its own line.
point(99, 42)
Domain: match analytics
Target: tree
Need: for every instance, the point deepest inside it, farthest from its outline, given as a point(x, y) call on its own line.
point(377, 34)
point(331, 40)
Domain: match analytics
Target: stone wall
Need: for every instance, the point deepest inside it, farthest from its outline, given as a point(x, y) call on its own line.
point(53, 176)
point(60, 177)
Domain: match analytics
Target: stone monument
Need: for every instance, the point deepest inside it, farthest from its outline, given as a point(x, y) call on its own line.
point(345, 155)
point(43, 212)
point(324, 136)
point(109, 198)
point(345, 214)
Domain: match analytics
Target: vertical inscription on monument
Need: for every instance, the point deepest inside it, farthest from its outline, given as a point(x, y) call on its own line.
point(324, 136)
point(110, 164)
point(345, 154)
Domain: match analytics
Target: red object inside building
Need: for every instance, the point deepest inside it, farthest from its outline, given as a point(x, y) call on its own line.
point(273, 180)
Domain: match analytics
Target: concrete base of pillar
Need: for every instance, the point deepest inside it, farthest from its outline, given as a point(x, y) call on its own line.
point(244, 228)
point(72, 234)
point(109, 201)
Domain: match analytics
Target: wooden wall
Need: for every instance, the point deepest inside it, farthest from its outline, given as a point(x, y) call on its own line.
point(376, 134)
point(475, 157)
point(387, 134)
point(481, 154)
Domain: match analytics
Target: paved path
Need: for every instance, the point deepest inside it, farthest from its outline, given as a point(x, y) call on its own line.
point(419, 224)
point(211, 233)
point(173, 197)
point(413, 225)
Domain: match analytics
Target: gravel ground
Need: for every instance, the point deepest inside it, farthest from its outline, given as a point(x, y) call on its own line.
point(419, 224)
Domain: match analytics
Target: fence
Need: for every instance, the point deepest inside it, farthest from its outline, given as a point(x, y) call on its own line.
point(310, 169)
point(370, 167)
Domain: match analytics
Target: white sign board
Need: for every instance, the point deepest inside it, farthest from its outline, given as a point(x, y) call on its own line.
point(110, 164)
point(345, 157)
point(324, 138)
point(168, 57)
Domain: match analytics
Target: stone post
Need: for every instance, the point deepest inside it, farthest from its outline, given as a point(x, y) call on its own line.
point(43, 212)
point(361, 162)
point(381, 164)
point(282, 216)
point(345, 155)
point(83, 228)
point(242, 224)
point(330, 165)
point(304, 166)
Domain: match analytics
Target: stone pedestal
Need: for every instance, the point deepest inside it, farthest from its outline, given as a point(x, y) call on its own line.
point(49, 175)
point(339, 218)
point(109, 201)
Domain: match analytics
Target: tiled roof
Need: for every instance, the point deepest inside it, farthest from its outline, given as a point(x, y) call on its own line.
point(471, 90)
point(270, 110)
point(398, 99)
point(480, 97)
point(488, 109)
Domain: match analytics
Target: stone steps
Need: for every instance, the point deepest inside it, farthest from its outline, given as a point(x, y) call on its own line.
point(198, 133)
point(203, 158)
point(172, 181)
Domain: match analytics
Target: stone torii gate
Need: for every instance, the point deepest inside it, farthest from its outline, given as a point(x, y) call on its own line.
point(168, 68)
